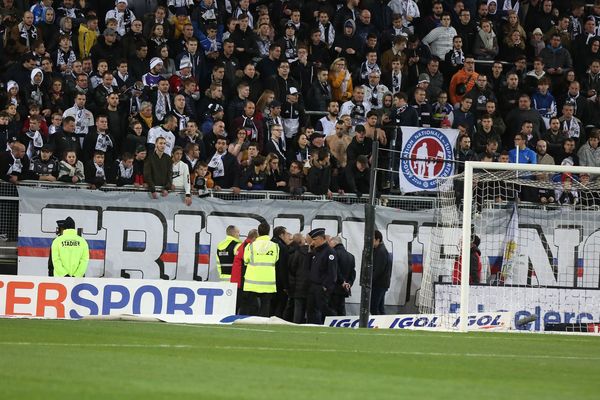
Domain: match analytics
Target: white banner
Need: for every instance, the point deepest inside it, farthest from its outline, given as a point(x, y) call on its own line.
point(498, 321)
point(74, 298)
point(423, 152)
point(548, 305)
point(130, 235)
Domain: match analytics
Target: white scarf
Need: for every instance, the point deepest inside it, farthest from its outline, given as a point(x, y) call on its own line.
point(124, 172)
point(162, 105)
point(216, 163)
point(99, 171)
point(16, 167)
point(487, 38)
point(344, 86)
point(36, 142)
point(103, 142)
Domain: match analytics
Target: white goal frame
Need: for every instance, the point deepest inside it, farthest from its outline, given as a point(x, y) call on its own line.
point(468, 207)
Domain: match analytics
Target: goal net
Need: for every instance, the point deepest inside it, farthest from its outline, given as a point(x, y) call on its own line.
point(531, 238)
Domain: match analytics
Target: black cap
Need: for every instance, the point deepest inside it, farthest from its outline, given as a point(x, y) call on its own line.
point(47, 147)
point(316, 233)
point(66, 223)
point(316, 135)
point(275, 103)
point(140, 148)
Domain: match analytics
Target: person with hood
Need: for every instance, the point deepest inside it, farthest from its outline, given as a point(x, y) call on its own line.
point(348, 45)
point(35, 93)
point(382, 273)
point(15, 97)
point(49, 29)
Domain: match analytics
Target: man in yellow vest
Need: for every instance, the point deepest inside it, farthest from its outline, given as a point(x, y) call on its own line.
point(259, 280)
point(70, 252)
point(226, 250)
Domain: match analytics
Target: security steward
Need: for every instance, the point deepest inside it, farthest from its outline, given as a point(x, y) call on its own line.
point(226, 251)
point(322, 276)
point(260, 284)
point(70, 252)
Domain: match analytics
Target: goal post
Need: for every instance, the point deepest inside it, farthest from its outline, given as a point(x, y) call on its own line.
point(539, 227)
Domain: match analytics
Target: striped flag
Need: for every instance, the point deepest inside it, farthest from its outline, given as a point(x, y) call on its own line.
point(511, 248)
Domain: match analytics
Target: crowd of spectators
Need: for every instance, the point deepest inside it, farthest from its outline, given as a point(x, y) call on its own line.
point(200, 94)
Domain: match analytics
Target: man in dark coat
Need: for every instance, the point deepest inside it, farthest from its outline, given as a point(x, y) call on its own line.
point(382, 274)
point(345, 277)
point(322, 276)
point(298, 269)
point(282, 238)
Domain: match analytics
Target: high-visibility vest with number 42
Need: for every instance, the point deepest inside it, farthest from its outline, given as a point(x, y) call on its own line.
point(260, 257)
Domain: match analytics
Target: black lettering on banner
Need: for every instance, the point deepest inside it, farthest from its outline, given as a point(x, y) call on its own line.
point(77, 207)
point(161, 217)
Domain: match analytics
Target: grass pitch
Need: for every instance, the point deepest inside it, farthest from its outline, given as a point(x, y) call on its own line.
point(128, 360)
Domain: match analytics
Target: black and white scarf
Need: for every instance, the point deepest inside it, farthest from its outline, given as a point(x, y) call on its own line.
point(65, 57)
point(103, 142)
point(396, 82)
point(182, 118)
point(124, 172)
point(249, 125)
point(327, 34)
point(216, 163)
point(27, 35)
point(100, 171)
point(457, 58)
point(366, 69)
point(35, 144)
point(163, 105)
point(16, 167)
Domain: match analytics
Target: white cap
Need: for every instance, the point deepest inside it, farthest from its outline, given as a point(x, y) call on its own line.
point(155, 61)
point(293, 90)
point(121, 1)
point(185, 63)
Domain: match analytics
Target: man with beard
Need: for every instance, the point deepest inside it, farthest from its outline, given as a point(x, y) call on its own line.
point(319, 94)
point(327, 124)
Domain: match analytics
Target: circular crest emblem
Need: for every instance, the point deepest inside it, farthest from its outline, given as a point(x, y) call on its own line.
point(425, 154)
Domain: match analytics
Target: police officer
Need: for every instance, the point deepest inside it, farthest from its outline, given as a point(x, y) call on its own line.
point(260, 283)
point(226, 251)
point(70, 252)
point(322, 276)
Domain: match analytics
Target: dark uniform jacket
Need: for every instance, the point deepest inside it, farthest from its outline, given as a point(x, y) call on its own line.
point(323, 267)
